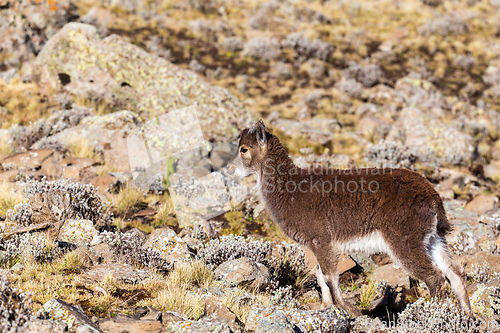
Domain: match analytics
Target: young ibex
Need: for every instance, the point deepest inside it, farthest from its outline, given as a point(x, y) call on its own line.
point(331, 211)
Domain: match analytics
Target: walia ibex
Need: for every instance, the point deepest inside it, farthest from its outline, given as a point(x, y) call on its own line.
point(333, 211)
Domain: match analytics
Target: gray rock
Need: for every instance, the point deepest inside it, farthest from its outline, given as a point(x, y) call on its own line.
point(281, 319)
point(29, 31)
point(125, 75)
point(329, 320)
point(485, 299)
point(51, 326)
point(79, 232)
point(17, 268)
point(492, 170)
point(316, 130)
point(69, 315)
point(367, 324)
point(269, 319)
point(87, 256)
point(166, 242)
point(141, 234)
point(204, 325)
point(169, 316)
point(214, 306)
point(243, 272)
point(221, 154)
point(120, 272)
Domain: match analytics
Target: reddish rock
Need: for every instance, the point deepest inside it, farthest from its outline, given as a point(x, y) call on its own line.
point(81, 162)
point(482, 203)
point(104, 182)
point(30, 160)
point(71, 171)
point(394, 276)
point(122, 324)
point(51, 167)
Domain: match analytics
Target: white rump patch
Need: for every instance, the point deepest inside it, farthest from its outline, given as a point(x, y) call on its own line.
point(369, 244)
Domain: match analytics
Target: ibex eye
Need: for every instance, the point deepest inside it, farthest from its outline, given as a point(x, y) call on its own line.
point(243, 150)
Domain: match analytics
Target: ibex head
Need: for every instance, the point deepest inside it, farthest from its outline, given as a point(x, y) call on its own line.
point(253, 146)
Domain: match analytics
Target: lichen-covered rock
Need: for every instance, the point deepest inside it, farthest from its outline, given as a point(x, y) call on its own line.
point(429, 138)
point(243, 272)
point(269, 319)
point(170, 246)
point(316, 130)
point(204, 325)
point(485, 299)
point(124, 75)
point(29, 24)
point(330, 320)
point(76, 231)
point(69, 315)
point(214, 306)
point(119, 272)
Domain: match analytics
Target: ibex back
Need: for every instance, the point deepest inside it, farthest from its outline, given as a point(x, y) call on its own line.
point(331, 211)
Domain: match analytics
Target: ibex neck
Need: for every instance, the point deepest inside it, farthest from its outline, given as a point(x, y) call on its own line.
point(277, 171)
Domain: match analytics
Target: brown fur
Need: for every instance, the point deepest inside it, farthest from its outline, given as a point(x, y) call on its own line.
point(405, 209)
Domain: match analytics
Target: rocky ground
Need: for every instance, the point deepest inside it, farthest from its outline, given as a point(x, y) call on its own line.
point(83, 247)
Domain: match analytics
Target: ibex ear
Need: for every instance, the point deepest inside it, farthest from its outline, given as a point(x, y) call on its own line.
point(261, 133)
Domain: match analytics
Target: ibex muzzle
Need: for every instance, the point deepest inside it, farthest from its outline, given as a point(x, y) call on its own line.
point(332, 211)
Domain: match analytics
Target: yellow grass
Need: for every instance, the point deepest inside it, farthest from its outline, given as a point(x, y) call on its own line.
point(6, 149)
point(80, 147)
point(9, 197)
point(127, 198)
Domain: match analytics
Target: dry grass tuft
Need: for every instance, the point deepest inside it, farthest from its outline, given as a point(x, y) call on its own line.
point(126, 199)
point(178, 291)
point(80, 147)
point(9, 197)
point(6, 148)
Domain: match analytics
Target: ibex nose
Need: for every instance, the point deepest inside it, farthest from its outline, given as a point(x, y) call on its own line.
point(230, 169)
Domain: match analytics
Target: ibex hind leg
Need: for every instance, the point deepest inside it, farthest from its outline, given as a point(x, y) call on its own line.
point(455, 274)
point(418, 262)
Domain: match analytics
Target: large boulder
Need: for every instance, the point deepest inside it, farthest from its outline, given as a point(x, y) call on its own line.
point(431, 139)
point(126, 76)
